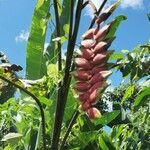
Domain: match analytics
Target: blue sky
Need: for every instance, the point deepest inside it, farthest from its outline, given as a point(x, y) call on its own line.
point(16, 18)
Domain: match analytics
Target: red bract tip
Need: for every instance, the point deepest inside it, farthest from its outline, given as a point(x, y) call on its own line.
point(93, 113)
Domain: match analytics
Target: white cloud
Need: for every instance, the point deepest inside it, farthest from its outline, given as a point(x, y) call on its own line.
point(135, 4)
point(90, 11)
point(23, 36)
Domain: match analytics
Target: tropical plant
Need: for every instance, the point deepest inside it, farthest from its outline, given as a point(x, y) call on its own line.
point(42, 110)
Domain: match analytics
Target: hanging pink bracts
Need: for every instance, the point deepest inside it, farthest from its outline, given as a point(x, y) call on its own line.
point(91, 70)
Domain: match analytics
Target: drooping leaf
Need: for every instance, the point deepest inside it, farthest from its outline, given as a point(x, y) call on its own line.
point(143, 94)
point(107, 118)
point(33, 138)
point(35, 61)
point(10, 137)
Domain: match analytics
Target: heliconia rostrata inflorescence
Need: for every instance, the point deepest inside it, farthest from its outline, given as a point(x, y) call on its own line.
point(91, 66)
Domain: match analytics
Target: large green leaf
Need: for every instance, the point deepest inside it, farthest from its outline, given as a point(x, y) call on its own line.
point(114, 26)
point(35, 62)
point(143, 94)
point(107, 118)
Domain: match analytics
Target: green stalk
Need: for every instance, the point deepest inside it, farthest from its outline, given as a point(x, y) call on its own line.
point(71, 123)
point(66, 81)
point(58, 34)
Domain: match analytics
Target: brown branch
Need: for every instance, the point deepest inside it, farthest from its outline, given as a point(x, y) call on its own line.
point(91, 4)
point(98, 12)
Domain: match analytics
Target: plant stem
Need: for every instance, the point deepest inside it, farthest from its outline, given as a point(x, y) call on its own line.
point(58, 34)
point(66, 81)
point(59, 69)
point(98, 12)
point(38, 103)
point(71, 123)
point(91, 4)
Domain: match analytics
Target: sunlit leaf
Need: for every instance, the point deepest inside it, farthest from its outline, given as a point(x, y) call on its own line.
point(45, 101)
point(143, 94)
point(35, 61)
point(128, 93)
point(115, 56)
point(12, 137)
point(107, 118)
point(66, 28)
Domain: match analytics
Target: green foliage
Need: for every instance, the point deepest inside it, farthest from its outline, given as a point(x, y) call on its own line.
point(135, 134)
point(139, 60)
